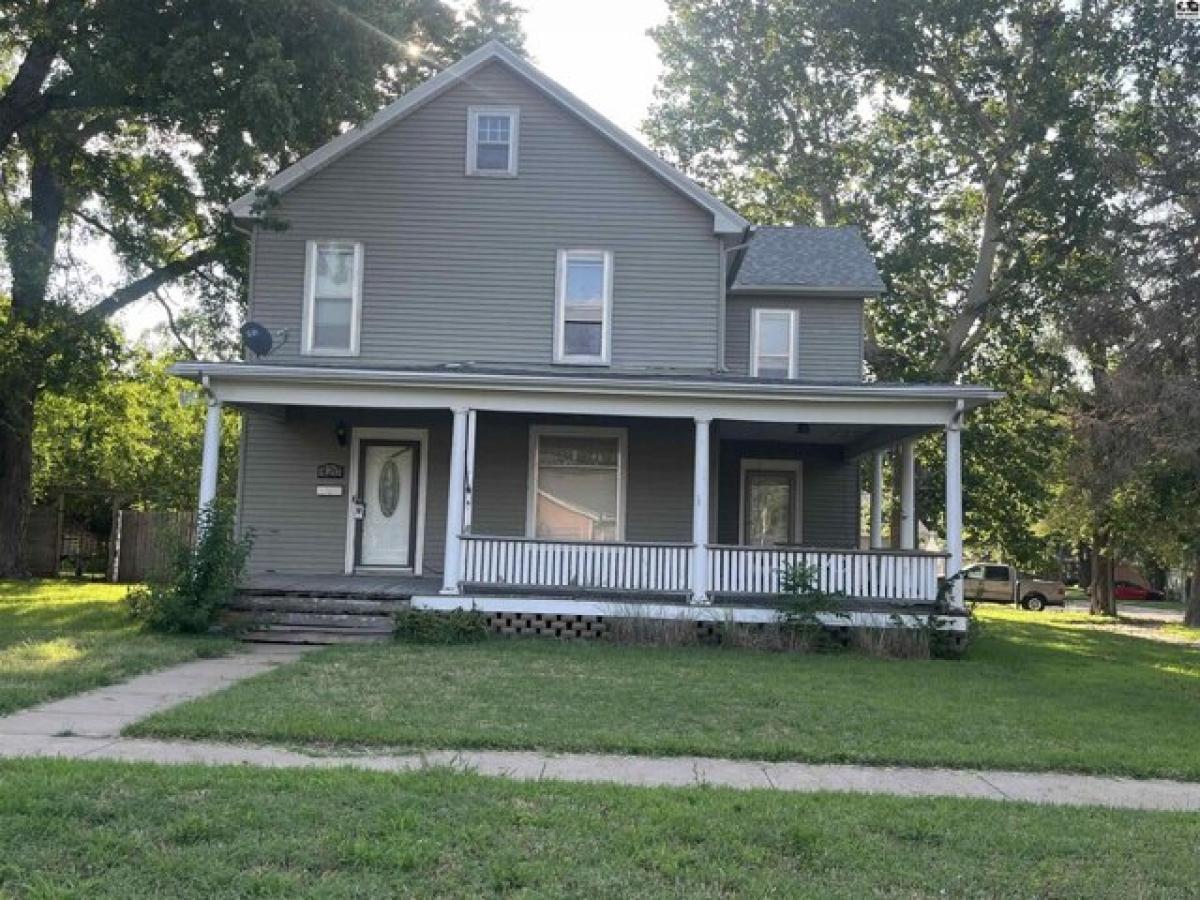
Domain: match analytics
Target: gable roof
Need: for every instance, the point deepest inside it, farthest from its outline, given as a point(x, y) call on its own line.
point(809, 261)
point(725, 220)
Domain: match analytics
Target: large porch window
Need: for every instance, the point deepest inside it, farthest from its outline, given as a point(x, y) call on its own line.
point(577, 484)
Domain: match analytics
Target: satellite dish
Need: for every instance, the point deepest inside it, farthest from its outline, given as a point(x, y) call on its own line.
point(257, 338)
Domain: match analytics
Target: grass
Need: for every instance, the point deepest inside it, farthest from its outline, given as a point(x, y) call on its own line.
point(61, 637)
point(1036, 692)
point(89, 829)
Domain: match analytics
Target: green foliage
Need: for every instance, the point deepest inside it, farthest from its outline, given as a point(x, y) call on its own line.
point(200, 581)
point(802, 600)
point(458, 626)
point(135, 434)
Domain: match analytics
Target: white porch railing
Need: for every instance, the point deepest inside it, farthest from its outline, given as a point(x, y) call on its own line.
point(867, 574)
point(530, 562)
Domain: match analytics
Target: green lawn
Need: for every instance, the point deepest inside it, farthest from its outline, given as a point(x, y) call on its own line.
point(62, 637)
point(86, 829)
point(1037, 691)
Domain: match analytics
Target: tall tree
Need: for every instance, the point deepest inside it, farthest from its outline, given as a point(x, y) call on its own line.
point(946, 129)
point(137, 123)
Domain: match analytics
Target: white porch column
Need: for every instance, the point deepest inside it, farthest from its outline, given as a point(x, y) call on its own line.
point(469, 485)
point(908, 496)
point(877, 500)
point(700, 514)
point(452, 568)
point(954, 499)
point(212, 453)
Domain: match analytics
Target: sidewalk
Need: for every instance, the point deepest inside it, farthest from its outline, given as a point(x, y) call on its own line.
point(88, 726)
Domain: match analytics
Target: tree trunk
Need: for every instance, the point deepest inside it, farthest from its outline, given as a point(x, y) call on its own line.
point(1191, 613)
point(17, 397)
point(1103, 601)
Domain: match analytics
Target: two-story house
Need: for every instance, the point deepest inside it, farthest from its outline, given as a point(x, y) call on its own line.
point(521, 362)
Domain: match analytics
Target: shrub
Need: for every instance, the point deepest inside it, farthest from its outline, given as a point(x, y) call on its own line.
point(199, 581)
point(422, 626)
point(802, 600)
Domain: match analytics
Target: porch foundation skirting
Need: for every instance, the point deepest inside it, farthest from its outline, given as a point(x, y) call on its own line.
point(668, 568)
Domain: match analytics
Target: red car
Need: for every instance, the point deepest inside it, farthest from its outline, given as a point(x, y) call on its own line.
point(1127, 590)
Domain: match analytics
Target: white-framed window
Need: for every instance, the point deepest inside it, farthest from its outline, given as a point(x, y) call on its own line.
point(492, 133)
point(773, 344)
point(583, 307)
point(770, 503)
point(332, 297)
point(577, 481)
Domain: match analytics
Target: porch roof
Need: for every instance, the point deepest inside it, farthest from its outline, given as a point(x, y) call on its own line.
point(656, 394)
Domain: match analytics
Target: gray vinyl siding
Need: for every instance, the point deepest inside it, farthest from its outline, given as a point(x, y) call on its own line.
point(462, 268)
point(297, 532)
point(830, 339)
point(829, 493)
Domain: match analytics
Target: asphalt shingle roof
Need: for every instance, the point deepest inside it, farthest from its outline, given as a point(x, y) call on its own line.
point(809, 259)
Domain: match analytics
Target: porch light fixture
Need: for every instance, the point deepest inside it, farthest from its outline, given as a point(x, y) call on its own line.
point(340, 432)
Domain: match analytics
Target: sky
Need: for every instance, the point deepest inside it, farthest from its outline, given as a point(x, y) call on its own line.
point(597, 49)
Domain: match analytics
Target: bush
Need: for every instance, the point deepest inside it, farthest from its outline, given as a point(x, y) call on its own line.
point(422, 626)
point(199, 581)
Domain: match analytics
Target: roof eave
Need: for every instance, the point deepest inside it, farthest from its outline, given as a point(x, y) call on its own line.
point(808, 290)
point(972, 395)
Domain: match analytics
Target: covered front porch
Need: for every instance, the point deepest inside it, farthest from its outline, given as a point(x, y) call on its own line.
point(532, 489)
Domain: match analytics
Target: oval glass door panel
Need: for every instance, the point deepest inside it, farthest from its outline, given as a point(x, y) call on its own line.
point(387, 491)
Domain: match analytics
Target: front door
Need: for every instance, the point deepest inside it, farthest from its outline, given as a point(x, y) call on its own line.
point(385, 505)
point(769, 505)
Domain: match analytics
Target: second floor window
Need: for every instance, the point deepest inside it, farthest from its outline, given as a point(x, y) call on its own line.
point(492, 141)
point(773, 344)
point(583, 307)
point(332, 297)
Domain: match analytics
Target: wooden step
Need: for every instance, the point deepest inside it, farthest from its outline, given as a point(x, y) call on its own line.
point(274, 634)
point(320, 620)
point(331, 605)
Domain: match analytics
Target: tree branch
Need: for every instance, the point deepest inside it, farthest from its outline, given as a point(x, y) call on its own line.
point(174, 327)
point(147, 284)
point(24, 101)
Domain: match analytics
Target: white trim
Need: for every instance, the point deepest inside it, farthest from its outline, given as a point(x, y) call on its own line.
point(725, 220)
point(310, 286)
point(421, 436)
point(514, 130)
point(915, 407)
point(560, 300)
point(755, 327)
point(692, 613)
point(792, 466)
point(536, 431)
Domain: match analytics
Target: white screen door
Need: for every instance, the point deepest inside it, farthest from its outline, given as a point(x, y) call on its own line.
point(386, 527)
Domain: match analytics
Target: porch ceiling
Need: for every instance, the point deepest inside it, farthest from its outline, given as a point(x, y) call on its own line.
point(854, 439)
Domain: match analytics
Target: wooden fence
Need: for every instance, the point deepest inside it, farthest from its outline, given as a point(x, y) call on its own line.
point(145, 540)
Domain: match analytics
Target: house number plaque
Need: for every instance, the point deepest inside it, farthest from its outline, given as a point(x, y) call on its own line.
point(331, 470)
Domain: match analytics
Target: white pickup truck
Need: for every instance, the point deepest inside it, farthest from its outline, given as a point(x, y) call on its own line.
point(999, 583)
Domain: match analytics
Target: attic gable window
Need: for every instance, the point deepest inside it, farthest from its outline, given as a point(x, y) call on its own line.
point(492, 141)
